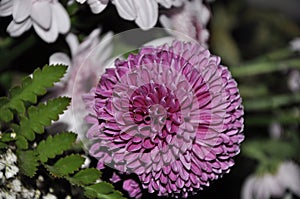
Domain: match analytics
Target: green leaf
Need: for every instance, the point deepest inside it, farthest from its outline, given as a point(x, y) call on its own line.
point(3, 145)
point(102, 190)
point(85, 177)
point(28, 162)
point(41, 116)
point(56, 145)
point(21, 142)
point(29, 90)
point(6, 114)
point(66, 165)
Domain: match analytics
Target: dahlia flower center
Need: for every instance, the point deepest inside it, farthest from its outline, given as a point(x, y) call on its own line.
point(154, 105)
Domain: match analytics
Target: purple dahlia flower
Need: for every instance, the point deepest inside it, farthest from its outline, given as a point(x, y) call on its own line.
point(171, 114)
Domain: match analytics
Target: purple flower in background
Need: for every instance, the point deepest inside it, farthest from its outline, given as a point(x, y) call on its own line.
point(48, 17)
point(189, 21)
point(273, 185)
point(171, 114)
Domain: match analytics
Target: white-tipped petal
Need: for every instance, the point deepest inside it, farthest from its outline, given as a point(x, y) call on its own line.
point(126, 9)
point(41, 14)
point(16, 29)
point(61, 18)
point(147, 13)
point(6, 7)
point(21, 10)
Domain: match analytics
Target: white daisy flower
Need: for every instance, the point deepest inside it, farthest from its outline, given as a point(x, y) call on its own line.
point(144, 13)
point(48, 17)
point(273, 185)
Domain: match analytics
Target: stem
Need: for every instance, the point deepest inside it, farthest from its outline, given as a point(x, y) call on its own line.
point(271, 102)
point(264, 67)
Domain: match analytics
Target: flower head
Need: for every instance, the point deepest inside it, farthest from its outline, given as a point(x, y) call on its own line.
point(48, 18)
point(172, 115)
point(144, 13)
point(273, 185)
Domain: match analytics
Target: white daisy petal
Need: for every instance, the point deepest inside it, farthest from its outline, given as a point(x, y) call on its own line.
point(21, 10)
point(247, 189)
point(165, 3)
point(48, 36)
point(59, 58)
point(126, 8)
point(61, 17)
point(41, 14)
point(96, 6)
point(6, 7)
point(73, 43)
point(16, 29)
point(81, 1)
point(165, 21)
point(289, 176)
point(147, 13)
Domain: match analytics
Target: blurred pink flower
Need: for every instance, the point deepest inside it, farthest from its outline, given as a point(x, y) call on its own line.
point(172, 115)
point(189, 21)
point(48, 17)
point(85, 68)
point(144, 13)
point(273, 185)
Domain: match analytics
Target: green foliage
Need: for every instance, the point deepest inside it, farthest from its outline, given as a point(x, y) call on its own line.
point(29, 90)
point(39, 117)
point(31, 120)
point(66, 165)
point(56, 145)
point(85, 176)
point(102, 190)
point(28, 162)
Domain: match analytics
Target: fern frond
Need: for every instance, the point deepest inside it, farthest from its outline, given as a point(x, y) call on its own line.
point(102, 190)
point(41, 116)
point(66, 165)
point(85, 177)
point(30, 88)
point(56, 145)
point(28, 162)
